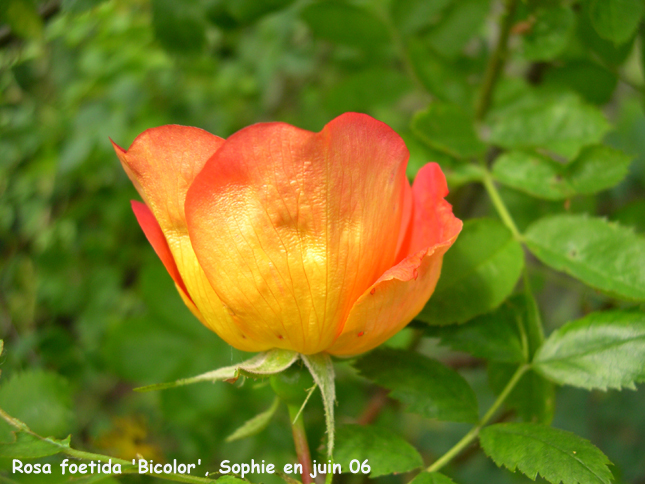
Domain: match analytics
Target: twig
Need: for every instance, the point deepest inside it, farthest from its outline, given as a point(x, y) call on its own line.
point(496, 62)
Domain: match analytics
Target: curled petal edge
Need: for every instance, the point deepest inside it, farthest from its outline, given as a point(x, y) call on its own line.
point(389, 304)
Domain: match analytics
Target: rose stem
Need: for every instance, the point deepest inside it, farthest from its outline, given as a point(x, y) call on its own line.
point(300, 441)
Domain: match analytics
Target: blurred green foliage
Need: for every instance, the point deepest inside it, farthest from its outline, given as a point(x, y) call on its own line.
point(87, 312)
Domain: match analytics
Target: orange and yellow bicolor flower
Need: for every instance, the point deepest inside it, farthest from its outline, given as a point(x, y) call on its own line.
point(278, 237)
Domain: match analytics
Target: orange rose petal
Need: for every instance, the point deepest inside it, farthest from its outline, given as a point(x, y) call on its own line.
point(402, 291)
point(434, 222)
point(162, 163)
point(405, 233)
point(391, 304)
point(291, 226)
point(155, 236)
point(191, 305)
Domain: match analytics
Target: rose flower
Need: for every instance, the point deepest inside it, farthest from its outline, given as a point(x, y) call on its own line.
point(278, 237)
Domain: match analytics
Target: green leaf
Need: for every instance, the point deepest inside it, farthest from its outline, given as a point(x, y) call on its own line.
point(616, 20)
point(386, 452)
point(431, 478)
point(533, 398)
point(549, 34)
point(322, 370)
point(596, 168)
point(22, 17)
point(424, 385)
point(447, 128)
point(462, 21)
point(179, 26)
point(602, 350)
point(575, 76)
point(601, 254)
point(27, 446)
point(40, 399)
point(267, 363)
point(560, 123)
point(479, 272)
point(556, 455)
point(442, 78)
point(609, 52)
point(410, 16)
point(494, 336)
point(346, 24)
point(255, 425)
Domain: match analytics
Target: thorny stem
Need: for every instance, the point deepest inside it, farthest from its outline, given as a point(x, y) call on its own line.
point(300, 441)
point(474, 432)
point(497, 61)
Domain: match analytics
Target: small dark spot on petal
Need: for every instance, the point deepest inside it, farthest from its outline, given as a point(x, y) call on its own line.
point(361, 334)
point(373, 290)
point(243, 336)
point(280, 336)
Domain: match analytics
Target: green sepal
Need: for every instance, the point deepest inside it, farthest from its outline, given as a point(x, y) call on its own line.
point(322, 370)
point(267, 363)
point(255, 425)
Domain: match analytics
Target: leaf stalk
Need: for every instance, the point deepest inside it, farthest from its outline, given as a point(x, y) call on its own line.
point(500, 206)
point(474, 432)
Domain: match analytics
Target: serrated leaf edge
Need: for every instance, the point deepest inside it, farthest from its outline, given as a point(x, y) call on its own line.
point(515, 467)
